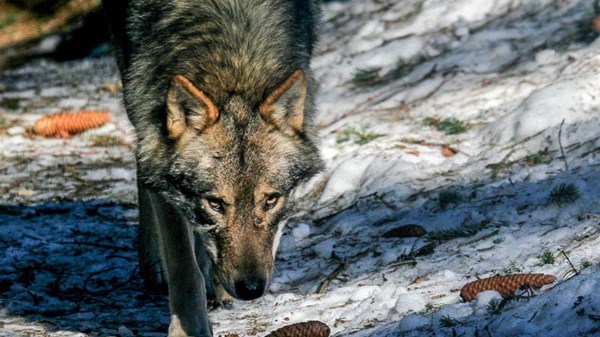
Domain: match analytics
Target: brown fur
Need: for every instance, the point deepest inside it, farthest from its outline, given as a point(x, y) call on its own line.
point(269, 107)
point(244, 157)
point(176, 117)
point(221, 97)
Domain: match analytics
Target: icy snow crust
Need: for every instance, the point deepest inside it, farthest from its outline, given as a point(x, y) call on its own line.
point(514, 70)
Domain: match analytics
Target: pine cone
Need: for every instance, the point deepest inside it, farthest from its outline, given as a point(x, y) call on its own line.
point(505, 285)
point(304, 329)
point(66, 124)
point(406, 231)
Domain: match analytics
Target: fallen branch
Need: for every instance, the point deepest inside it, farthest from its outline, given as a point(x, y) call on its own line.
point(575, 271)
point(92, 274)
point(325, 283)
point(562, 150)
point(444, 146)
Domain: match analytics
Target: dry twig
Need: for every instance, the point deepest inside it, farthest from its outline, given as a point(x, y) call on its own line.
point(323, 285)
point(562, 150)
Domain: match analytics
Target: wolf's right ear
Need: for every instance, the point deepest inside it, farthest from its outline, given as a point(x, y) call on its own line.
point(188, 107)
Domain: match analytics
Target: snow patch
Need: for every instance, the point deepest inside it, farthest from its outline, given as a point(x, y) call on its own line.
point(573, 101)
point(410, 302)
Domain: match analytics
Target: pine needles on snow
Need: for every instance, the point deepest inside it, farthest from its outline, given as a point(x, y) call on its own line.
point(563, 194)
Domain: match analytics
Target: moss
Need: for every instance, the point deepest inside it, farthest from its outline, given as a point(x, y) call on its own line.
point(539, 158)
point(450, 126)
point(106, 140)
point(358, 136)
point(547, 258)
point(364, 77)
point(11, 103)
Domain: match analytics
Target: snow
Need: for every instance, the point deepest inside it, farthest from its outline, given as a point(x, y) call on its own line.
point(124, 332)
point(72, 103)
point(54, 91)
point(546, 56)
point(571, 100)
point(345, 178)
point(456, 311)
point(513, 70)
point(324, 249)
point(485, 297)
point(302, 231)
point(15, 130)
point(409, 302)
point(411, 322)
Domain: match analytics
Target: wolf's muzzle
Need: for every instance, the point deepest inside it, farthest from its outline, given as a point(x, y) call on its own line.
point(251, 288)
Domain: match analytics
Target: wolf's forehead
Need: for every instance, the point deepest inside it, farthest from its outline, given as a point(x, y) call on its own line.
point(238, 111)
point(244, 181)
point(251, 163)
point(248, 137)
point(246, 151)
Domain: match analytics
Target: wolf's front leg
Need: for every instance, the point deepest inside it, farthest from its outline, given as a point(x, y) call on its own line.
point(150, 262)
point(187, 294)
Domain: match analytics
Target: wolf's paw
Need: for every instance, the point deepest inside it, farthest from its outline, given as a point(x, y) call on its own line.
point(218, 297)
point(176, 330)
point(177, 334)
point(225, 303)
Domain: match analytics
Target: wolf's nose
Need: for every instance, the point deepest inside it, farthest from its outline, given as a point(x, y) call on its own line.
point(250, 289)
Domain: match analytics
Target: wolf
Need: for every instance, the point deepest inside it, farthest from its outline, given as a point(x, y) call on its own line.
point(220, 94)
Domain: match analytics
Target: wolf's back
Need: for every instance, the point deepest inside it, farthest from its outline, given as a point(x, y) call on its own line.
point(225, 46)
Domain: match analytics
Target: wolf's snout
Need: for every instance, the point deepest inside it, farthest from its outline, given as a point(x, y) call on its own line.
point(249, 289)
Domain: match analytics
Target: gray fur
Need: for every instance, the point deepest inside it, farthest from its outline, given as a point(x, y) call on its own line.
point(238, 53)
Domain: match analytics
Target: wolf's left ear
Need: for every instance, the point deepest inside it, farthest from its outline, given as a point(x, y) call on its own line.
point(285, 105)
point(188, 107)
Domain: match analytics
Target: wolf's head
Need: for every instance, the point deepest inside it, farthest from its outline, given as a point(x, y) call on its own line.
point(234, 168)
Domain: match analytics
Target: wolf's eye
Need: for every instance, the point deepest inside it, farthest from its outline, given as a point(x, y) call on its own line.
point(271, 201)
point(216, 205)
